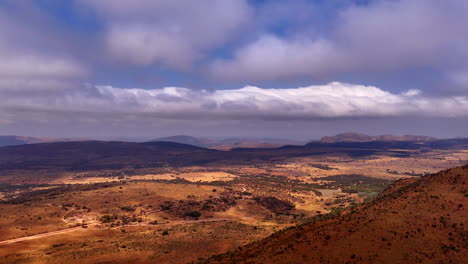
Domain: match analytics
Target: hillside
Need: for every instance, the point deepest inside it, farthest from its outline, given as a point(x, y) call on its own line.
point(422, 221)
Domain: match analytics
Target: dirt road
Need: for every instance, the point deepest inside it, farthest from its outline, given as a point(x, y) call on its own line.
point(53, 233)
point(79, 228)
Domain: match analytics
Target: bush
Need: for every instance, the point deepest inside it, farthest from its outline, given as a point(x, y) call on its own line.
point(105, 219)
point(127, 208)
point(194, 214)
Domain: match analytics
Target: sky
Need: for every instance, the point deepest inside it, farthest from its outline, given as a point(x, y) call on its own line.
point(292, 69)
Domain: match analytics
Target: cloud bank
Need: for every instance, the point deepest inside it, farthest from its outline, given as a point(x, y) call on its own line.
point(49, 49)
point(333, 100)
point(382, 36)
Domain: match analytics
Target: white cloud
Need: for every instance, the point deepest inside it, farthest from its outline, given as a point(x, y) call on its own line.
point(412, 92)
point(33, 71)
point(333, 100)
point(271, 57)
point(174, 33)
point(38, 66)
point(381, 36)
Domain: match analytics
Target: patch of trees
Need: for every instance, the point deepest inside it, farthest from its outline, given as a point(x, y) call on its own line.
point(322, 166)
point(107, 219)
point(127, 208)
point(274, 204)
point(193, 214)
point(191, 208)
point(351, 179)
point(51, 193)
point(412, 173)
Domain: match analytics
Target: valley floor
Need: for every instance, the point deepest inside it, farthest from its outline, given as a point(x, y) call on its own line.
point(185, 214)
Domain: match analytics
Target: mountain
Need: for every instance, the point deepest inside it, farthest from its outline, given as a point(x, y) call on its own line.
point(10, 141)
point(413, 221)
point(90, 155)
point(347, 137)
point(230, 143)
point(359, 137)
point(189, 140)
point(246, 144)
point(21, 140)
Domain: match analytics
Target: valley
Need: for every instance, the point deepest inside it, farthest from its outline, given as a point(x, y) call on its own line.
point(184, 204)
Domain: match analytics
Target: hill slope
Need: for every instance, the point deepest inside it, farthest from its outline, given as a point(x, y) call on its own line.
point(422, 221)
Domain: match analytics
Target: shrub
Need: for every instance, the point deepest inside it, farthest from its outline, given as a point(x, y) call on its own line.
point(194, 214)
point(105, 219)
point(127, 208)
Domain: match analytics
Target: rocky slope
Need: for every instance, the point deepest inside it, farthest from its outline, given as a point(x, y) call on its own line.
point(422, 221)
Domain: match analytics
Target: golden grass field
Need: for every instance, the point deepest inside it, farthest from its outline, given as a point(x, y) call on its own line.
point(194, 176)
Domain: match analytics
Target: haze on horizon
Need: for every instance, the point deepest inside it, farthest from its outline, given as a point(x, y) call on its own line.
point(233, 68)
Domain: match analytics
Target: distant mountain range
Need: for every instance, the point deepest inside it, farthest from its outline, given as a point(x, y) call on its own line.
point(220, 144)
point(21, 140)
point(234, 143)
point(230, 143)
point(359, 137)
point(115, 155)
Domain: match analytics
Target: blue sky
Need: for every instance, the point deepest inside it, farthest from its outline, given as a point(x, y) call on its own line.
point(294, 69)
